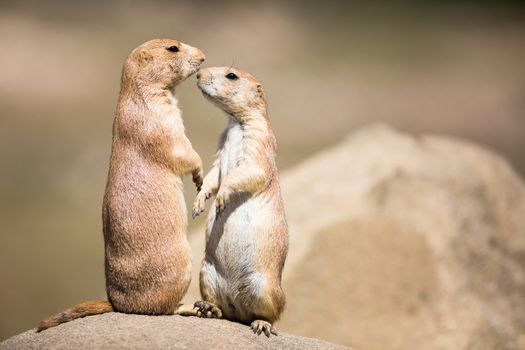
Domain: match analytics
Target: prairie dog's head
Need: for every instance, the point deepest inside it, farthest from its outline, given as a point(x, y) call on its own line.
point(234, 91)
point(163, 62)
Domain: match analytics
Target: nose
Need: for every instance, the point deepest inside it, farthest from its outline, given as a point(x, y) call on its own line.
point(198, 75)
point(202, 58)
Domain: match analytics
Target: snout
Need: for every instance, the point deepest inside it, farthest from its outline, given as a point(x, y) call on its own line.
point(203, 75)
point(201, 57)
point(197, 58)
point(205, 82)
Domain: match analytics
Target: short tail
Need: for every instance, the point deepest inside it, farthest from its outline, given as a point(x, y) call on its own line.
point(84, 309)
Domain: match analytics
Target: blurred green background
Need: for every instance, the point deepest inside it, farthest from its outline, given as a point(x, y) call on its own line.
point(454, 68)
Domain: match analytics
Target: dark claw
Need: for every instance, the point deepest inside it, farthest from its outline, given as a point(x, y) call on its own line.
point(259, 327)
point(196, 213)
point(266, 331)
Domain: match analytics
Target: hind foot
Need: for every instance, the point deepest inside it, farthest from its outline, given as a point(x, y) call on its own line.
point(207, 310)
point(259, 326)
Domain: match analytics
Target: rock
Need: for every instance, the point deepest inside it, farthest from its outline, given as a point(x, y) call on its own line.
point(405, 241)
point(121, 331)
point(414, 242)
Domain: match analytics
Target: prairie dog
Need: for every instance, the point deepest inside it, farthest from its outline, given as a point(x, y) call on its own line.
point(247, 233)
point(147, 255)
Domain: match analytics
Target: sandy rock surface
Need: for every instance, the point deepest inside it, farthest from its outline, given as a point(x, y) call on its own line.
point(120, 331)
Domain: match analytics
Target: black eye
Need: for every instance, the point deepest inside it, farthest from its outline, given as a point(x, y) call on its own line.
point(173, 48)
point(232, 76)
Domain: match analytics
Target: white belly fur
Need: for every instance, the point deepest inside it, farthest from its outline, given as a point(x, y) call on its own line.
point(233, 235)
point(232, 149)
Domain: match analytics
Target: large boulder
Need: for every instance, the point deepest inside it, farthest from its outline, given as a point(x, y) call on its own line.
point(404, 242)
point(408, 243)
point(120, 331)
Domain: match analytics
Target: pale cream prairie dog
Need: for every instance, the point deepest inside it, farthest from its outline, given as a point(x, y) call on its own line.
point(247, 234)
point(147, 255)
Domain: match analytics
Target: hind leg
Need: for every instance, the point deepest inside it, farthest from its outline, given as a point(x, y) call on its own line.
point(266, 310)
point(209, 306)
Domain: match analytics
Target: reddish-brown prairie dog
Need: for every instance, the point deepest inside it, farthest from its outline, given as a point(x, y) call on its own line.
point(147, 255)
point(247, 234)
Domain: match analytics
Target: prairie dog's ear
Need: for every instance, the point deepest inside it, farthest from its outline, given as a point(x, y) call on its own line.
point(145, 57)
point(260, 96)
point(259, 90)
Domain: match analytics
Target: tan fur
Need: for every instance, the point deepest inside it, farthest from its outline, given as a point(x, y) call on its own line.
point(247, 234)
point(84, 309)
point(147, 255)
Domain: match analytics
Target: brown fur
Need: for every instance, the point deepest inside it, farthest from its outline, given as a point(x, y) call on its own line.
point(247, 235)
point(147, 255)
point(84, 309)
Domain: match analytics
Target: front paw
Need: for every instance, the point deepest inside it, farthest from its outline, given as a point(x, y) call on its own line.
point(200, 200)
point(197, 176)
point(221, 200)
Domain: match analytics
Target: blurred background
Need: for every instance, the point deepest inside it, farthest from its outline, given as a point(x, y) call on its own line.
point(442, 67)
